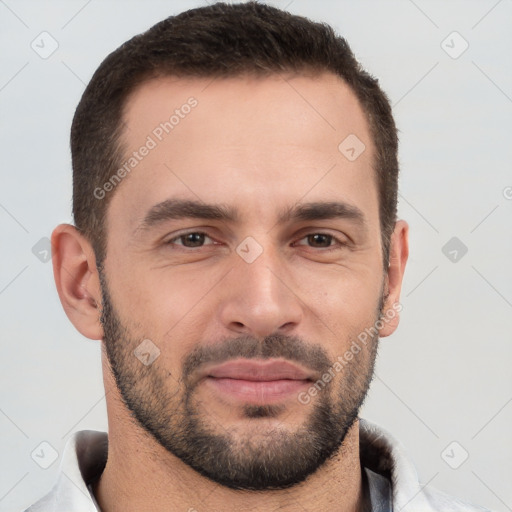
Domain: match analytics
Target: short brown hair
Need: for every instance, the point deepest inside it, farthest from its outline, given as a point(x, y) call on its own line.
point(220, 40)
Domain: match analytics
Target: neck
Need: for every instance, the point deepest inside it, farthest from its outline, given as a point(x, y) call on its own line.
point(141, 475)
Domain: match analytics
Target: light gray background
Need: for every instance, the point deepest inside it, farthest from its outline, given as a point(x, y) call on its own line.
point(444, 376)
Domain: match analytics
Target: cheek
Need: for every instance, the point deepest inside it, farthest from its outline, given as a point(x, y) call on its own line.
point(157, 297)
point(345, 301)
point(170, 307)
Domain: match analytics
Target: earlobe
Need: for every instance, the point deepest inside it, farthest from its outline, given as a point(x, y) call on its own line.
point(77, 280)
point(398, 254)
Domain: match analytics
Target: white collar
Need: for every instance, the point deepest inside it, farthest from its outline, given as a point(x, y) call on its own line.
point(86, 451)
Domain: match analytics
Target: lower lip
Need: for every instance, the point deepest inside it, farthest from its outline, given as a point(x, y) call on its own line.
point(258, 392)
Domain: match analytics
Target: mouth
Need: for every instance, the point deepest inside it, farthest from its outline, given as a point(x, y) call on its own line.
point(257, 381)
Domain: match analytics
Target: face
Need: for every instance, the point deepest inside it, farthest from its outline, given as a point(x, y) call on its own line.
point(244, 260)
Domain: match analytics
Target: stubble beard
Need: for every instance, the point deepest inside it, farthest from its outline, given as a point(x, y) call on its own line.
point(274, 457)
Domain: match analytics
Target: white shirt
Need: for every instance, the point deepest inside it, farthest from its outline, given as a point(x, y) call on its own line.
point(391, 479)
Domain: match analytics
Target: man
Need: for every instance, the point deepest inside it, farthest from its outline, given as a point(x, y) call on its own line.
point(237, 250)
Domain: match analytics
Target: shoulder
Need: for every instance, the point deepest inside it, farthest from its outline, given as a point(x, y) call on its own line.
point(443, 502)
point(83, 461)
point(385, 455)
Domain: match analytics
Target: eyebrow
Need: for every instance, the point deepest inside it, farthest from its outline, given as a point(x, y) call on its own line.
point(323, 211)
point(174, 209)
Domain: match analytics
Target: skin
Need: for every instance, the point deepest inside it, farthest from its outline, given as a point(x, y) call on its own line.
point(257, 146)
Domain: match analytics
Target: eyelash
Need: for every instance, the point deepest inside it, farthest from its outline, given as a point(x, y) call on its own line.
point(183, 235)
point(337, 242)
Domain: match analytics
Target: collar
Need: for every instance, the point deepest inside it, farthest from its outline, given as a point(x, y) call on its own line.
point(85, 456)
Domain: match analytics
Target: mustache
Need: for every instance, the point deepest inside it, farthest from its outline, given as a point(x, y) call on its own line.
point(291, 348)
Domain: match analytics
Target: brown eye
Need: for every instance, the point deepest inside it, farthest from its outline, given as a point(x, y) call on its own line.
point(191, 240)
point(319, 240)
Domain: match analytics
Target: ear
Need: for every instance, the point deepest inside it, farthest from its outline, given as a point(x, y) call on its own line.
point(77, 280)
point(398, 254)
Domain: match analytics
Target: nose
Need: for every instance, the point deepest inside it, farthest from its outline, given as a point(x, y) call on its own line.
point(260, 298)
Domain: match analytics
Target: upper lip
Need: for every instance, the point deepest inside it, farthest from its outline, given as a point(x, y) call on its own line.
point(258, 370)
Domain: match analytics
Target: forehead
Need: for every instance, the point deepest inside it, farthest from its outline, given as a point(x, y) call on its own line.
point(251, 142)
